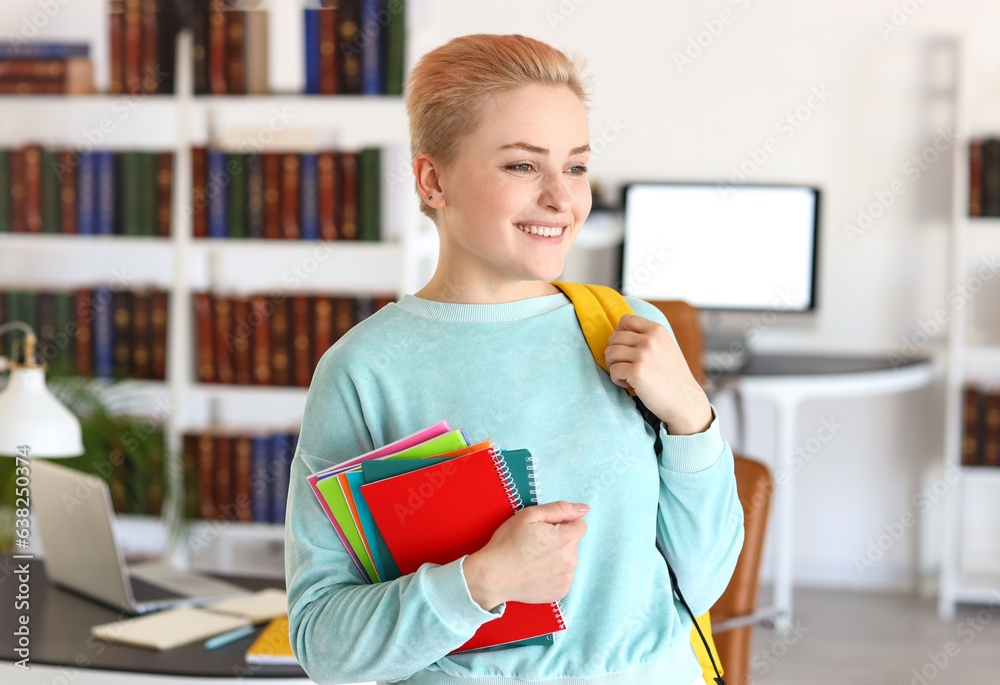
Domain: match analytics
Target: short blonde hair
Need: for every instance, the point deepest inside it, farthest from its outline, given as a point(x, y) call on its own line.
point(453, 86)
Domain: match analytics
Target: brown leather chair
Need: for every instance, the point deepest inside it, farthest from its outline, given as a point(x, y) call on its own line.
point(753, 483)
point(684, 321)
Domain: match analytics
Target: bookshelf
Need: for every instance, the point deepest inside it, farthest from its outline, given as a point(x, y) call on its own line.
point(973, 350)
point(401, 263)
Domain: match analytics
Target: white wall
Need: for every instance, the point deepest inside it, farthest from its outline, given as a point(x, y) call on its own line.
point(657, 121)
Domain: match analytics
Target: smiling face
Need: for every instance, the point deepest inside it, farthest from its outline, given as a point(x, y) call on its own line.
point(512, 202)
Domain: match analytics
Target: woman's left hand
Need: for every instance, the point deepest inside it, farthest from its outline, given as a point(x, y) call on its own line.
point(642, 355)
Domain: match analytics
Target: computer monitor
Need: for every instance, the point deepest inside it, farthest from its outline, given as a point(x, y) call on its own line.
point(719, 246)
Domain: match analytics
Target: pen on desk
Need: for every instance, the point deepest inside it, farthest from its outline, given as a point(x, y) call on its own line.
point(226, 638)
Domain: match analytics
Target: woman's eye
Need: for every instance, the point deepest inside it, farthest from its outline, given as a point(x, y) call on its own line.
point(520, 167)
point(579, 169)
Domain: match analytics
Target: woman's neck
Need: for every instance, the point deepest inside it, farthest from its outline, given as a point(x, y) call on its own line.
point(452, 290)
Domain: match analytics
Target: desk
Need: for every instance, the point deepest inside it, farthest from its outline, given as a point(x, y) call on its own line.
point(786, 381)
point(62, 650)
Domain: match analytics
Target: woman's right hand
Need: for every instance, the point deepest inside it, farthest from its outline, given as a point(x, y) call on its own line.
point(531, 557)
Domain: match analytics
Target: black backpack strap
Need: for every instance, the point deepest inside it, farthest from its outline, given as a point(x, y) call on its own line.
point(654, 421)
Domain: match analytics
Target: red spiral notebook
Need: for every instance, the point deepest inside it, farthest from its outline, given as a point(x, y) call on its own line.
point(442, 512)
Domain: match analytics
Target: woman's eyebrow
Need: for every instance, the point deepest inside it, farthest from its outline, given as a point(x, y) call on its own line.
point(542, 150)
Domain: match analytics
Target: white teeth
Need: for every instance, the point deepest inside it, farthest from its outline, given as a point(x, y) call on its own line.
point(544, 231)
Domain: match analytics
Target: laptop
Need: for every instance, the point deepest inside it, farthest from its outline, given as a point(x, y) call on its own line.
point(75, 519)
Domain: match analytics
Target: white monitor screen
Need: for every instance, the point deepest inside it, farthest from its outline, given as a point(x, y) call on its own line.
point(721, 247)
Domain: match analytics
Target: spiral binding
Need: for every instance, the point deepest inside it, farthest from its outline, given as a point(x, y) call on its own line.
point(507, 480)
point(532, 477)
point(558, 611)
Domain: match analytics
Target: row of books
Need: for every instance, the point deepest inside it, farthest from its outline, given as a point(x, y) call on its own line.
point(97, 332)
point(984, 177)
point(100, 192)
point(355, 47)
point(55, 68)
point(272, 339)
point(237, 476)
point(981, 426)
point(327, 195)
point(351, 47)
point(432, 497)
point(143, 44)
point(230, 51)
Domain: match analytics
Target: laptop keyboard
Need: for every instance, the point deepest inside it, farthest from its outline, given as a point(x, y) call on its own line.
point(147, 592)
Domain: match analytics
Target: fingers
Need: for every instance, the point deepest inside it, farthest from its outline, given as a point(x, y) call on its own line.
point(634, 322)
point(558, 512)
point(626, 338)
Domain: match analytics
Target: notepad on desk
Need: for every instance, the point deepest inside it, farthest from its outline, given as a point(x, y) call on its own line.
point(272, 646)
point(257, 607)
point(170, 628)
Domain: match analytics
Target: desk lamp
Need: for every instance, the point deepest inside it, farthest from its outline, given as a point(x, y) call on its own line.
point(30, 414)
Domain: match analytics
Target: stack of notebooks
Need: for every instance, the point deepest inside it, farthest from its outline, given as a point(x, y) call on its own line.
point(431, 497)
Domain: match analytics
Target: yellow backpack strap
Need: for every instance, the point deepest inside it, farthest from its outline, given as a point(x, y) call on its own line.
point(599, 309)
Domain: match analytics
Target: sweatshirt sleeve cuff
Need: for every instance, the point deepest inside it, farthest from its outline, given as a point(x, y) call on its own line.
point(690, 453)
point(448, 592)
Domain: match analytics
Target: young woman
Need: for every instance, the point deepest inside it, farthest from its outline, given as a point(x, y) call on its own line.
point(499, 137)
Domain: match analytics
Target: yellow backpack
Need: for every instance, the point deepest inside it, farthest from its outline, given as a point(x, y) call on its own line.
point(599, 308)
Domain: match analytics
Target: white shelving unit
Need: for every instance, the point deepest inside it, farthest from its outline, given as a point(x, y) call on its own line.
point(976, 114)
point(184, 265)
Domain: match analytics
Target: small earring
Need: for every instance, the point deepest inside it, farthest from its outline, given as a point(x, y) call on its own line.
point(430, 197)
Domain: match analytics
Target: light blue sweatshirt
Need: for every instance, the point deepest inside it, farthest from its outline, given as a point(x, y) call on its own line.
point(521, 374)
